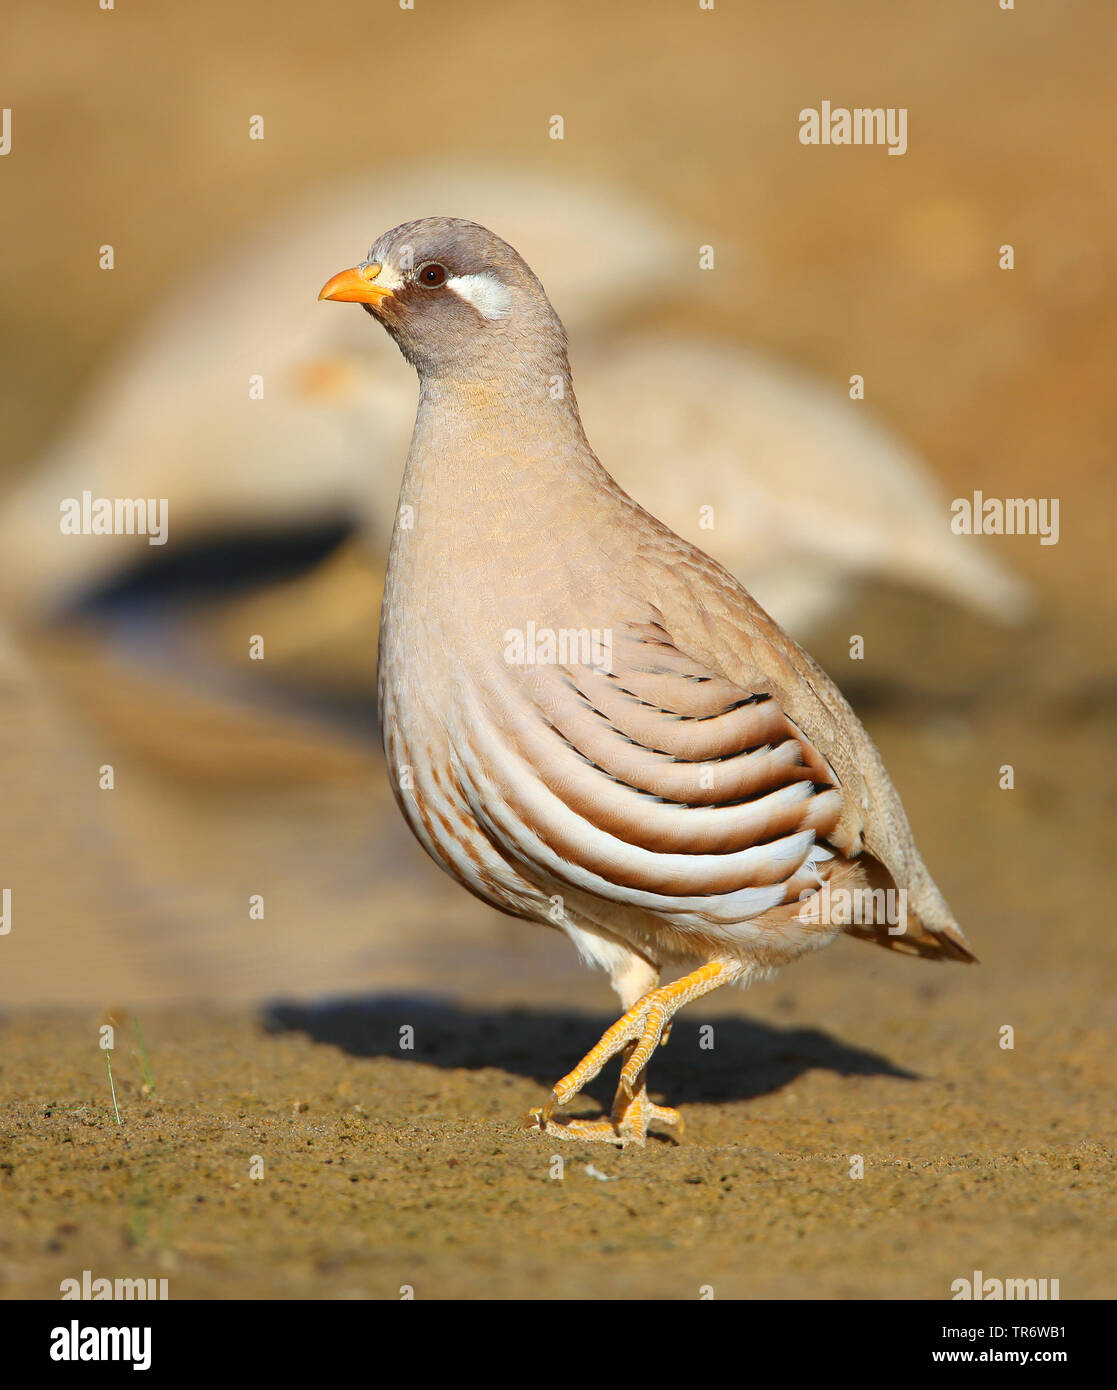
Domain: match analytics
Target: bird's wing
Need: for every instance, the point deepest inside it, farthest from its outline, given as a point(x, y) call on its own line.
point(717, 623)
point(656, 784)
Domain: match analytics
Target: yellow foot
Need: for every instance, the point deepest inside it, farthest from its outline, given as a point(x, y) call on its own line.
point(638, 1033)
point(628, 1124)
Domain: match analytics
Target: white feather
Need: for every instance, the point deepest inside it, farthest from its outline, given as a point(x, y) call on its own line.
point(488, 296)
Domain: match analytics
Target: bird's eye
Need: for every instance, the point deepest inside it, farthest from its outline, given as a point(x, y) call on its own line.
point(433, 275)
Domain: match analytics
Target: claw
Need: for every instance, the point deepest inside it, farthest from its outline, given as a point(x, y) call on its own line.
point(629, 1080)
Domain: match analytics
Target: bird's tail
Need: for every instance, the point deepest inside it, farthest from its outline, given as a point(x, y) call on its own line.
point(916, 922)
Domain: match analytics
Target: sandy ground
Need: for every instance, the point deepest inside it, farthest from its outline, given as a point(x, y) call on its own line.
point(384, 1167)
point(381, 1170)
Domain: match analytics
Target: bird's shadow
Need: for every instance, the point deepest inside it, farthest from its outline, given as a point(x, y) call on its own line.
point(707, 1059)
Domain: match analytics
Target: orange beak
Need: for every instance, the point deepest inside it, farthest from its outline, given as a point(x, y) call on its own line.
point(356, 286)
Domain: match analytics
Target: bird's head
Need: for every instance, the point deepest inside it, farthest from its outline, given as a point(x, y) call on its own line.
point(457, 299)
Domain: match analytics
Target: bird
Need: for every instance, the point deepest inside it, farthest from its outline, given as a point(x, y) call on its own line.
point(586, 720)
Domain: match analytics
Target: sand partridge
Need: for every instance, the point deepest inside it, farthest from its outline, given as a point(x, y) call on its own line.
point(587, 721)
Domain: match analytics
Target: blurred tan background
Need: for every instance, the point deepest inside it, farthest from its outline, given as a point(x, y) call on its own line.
point(234, 777)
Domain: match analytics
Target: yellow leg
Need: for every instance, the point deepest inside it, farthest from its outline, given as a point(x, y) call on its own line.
point(638, 1033)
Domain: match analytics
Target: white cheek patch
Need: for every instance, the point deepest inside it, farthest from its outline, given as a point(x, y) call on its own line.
point(488, 296)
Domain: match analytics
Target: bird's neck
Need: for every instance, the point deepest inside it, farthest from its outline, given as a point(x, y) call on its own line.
point(515, 438)
point(501, 491)
point(498, 474)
